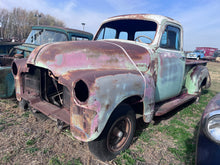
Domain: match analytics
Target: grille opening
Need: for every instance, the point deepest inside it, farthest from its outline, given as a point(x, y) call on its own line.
point(52, 91)
point(81, 91)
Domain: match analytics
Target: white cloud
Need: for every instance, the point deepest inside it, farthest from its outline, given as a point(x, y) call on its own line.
point(201, 23)
point(67, 13)
point(201, 26)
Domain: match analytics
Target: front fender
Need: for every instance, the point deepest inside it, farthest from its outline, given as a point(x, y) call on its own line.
point(195, 77)
point(89, 119)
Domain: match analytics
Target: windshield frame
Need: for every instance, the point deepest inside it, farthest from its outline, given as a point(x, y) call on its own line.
point(135, 25)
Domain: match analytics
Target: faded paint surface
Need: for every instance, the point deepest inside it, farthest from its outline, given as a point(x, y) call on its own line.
point(68, 56)
point(195, 77)
point(91, 78)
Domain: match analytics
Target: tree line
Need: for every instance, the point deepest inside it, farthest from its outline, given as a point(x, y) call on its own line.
point(18, 22)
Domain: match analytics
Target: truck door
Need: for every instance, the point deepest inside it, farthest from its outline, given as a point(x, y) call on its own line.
point(171, 64)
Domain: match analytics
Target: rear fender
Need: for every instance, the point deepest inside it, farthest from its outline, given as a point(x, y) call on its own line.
point(195, 79)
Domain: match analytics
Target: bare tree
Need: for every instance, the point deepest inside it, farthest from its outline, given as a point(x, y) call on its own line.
point(18, 22)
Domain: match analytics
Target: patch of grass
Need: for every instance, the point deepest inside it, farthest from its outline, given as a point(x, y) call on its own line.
point(74, 161)
point(139, 148)
point(146, 135)
point(45, 151)
point(26, 114)
point(128, 157)
point(11, 115)
point(15, 106)
point(10, 124)
point(32, 150)
point(54, 161)
point(2, 121)
point(6, 158)
point(1, 128)
point(31, 142)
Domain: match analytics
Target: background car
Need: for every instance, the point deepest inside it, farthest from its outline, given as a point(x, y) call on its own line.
point(208, 143)
point(196, 54)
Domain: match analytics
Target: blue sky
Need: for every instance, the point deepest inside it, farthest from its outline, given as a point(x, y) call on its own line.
point(200, 18)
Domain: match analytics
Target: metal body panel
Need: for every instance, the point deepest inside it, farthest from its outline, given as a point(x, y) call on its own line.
point(195, 77)
point(81, 55)
point(90, 79)
point(171, 69)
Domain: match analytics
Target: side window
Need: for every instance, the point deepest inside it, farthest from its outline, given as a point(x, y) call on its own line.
point(123, 35)
point(106, 33)
point(171, 38)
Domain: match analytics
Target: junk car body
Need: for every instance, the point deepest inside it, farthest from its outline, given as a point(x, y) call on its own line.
point(135, 64)
point(208, 142)
point(39, 35)
point(196, 54)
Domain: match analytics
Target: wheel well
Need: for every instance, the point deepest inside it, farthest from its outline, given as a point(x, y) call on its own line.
point(136, 104)
point(204, 82)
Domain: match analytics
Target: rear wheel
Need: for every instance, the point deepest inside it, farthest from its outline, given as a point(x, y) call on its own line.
point(23, 105)
point(117, 135)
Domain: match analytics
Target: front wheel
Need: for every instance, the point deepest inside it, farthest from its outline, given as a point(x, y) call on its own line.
point(116, 136)
point(199, 95)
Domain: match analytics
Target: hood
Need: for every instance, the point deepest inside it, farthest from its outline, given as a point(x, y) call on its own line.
point(63, 57)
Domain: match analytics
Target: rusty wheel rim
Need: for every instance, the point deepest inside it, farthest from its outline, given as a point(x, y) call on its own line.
point(119, 134)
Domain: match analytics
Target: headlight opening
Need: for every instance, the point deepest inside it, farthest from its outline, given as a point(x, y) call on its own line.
point(81, 91)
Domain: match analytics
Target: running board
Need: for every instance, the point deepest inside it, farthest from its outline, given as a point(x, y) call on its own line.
point(173, 103)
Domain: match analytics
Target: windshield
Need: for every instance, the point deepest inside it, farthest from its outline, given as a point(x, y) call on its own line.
point(39, 37)
point(199, 51)
point(128, 30)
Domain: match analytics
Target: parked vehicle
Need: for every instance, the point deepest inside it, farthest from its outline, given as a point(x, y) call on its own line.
point(196, 54)
point(135, 64)
point(208, 52)
point(208, 142)
point(39, 35)
point(216, 55)
point(5, 47)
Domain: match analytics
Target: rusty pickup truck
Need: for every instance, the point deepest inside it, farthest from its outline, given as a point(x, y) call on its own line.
point(39, 35)
point(134, 65)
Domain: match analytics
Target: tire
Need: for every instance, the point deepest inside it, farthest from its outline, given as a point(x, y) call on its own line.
point(23, 105)
point(117, 134)
point(199, 95)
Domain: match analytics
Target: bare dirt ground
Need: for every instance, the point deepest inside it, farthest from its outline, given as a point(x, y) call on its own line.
point(28, 138)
